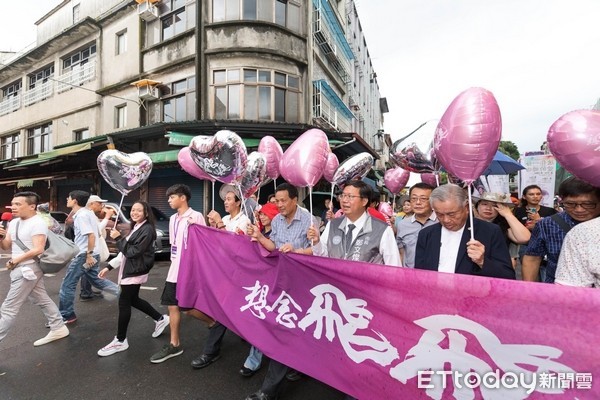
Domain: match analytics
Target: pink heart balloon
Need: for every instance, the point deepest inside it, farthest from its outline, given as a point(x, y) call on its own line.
point(467, 136)
point(271, 149)
point(303, 162)
point(124, 172)
point(222, 156)
point(574, 139)
point(410, 157)
point(330, 167)
point(184, 158)
point(385, 208)
point(395, 179)
point(429, 179)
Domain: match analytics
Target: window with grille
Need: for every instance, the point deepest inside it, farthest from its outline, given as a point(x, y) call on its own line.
point(9, 146)
point(38, 139)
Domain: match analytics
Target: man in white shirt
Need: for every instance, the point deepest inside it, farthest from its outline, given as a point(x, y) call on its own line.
point(579, 261)
point(448, 247)
point(85, 263)
point(26, 277)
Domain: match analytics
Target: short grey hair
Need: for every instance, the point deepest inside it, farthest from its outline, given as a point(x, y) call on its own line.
point(448, 192)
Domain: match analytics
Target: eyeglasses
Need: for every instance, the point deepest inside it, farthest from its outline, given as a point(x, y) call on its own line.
point(344, 197)
point(417, 199)
point(587, 205)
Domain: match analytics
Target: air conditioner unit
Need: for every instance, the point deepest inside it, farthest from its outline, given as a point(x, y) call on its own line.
point(147, 11)
point(148, 92)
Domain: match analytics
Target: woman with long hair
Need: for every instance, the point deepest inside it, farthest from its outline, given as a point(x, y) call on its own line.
point(135, 259)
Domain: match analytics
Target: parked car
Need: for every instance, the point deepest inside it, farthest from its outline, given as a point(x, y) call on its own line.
point(162, 245)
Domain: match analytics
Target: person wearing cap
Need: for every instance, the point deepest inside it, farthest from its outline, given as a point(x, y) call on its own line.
point(497, 209)
point(448, 247)
point(237, 222)
point(95, 204)
point(264, 217)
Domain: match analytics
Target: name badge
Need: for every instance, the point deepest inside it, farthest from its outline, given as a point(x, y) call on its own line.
point(173, 251)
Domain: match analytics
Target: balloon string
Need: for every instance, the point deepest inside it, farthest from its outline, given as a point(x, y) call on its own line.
point(213, 195)
point(312, 242)
point(119, 211)
point(437, 179)
point(275, 185)
point(393, 202)
point(243, 200)
point(471, 212)
point(331, 200)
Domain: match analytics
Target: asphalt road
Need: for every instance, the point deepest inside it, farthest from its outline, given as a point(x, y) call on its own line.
point(70, 368)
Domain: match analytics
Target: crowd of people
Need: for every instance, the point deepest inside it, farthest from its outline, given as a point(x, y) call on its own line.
point(433, 231)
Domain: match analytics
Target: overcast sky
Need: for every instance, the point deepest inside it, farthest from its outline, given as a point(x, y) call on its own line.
point(540, 58)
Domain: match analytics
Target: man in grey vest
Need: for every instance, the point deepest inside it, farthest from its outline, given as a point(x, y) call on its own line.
point(356, 236)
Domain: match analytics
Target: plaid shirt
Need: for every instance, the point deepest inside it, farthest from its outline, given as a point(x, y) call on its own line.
point(546, 240)
point(295, 232)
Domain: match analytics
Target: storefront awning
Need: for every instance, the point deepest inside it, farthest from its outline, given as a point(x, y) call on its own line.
point(50, 156)
point(161, 157)
point(184, 139)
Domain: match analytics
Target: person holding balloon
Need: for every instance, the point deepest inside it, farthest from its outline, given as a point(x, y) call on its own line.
point(135, 259)
point(236, 221)
point(288, 234)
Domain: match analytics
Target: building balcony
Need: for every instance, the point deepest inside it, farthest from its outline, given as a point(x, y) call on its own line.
point(10, 104)
point(76, 76)
point(38, 93)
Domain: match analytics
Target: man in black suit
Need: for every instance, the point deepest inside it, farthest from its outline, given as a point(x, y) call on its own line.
point(447, 246)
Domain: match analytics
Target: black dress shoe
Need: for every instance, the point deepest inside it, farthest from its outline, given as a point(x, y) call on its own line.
point(260, 395)
point(247, 372)
point(293, 376)
point(204, 361)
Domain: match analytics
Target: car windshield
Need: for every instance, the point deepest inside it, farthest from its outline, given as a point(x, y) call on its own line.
point(158, 215)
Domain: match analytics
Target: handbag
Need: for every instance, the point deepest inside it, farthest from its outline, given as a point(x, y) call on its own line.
point(59, 251)
point(102, 248)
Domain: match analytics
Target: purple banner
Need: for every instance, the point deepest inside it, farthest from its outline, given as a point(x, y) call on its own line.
point(378, 332)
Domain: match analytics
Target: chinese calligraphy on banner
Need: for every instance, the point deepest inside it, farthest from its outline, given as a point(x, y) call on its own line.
point(377, 332)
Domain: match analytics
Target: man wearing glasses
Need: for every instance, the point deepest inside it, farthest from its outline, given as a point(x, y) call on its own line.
point(448, 247)
point(580, 202)
point(409, 227)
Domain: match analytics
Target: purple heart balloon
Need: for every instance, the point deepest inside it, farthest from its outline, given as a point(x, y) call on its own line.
point(468, 134)
point(124, 172)
point(184, 158)
point(222, 156)
point(574, 139)
point(303, 162)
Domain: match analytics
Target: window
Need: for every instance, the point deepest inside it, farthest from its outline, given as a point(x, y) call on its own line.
point(38, 139)
point(121, 116)
point(12, 90)
point(76, 13)
point(121, 43)
point(81, 134)
point(79, 58)
point(9, 146)
point(174, 20)
point(282, 12)
point(177, 102)
point(256, 94)
point(41, 76)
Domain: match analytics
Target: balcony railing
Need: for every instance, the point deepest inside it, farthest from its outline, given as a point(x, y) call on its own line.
point(76, 77)
point(38, 93)
point(336, 52)
point(10, 104)
point(327, 111)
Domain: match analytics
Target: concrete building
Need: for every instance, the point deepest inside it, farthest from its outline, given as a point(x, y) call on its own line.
point(149, 75)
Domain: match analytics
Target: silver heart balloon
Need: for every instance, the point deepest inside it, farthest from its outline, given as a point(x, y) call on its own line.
point(124, 172)
point(410, 157)
point(356, 167)
point(222, 156)
point(255, 174)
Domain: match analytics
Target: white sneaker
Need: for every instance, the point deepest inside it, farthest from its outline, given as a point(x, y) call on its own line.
point(52, 336)
point(160, 326)
point(113, 347)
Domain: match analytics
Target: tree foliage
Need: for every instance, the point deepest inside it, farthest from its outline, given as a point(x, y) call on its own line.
point(510, 149)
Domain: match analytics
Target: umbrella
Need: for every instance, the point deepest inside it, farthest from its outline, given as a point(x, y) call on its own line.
point(502, 165)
